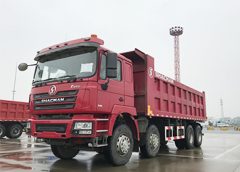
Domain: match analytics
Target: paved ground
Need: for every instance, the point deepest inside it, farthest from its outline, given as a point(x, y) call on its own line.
point(220, 152)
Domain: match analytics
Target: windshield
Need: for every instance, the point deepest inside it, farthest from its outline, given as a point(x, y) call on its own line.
point(62, 66)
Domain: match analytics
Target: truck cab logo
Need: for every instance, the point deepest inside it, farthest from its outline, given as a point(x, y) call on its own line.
point(53, 90)
point(150, 72)
point(53, 100)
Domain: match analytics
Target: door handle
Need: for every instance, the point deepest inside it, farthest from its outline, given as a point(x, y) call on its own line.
point(120, 99)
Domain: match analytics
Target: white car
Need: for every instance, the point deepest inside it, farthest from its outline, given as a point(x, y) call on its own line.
point(220, 124)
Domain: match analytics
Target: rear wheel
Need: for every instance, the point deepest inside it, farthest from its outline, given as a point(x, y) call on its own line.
point(14, 131)
point(2, 130)
point(189, 137)
point(64, 152)
point(198, 136)
point(120, 145)
point(151, 142)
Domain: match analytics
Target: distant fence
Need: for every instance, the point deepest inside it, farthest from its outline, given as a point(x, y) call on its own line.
point(236, 128)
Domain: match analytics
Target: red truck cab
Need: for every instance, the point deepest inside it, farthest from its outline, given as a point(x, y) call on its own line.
point(85, 96)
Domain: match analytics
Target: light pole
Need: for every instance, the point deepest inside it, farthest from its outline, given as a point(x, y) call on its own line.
point(221, 104)
point(14, 84)
point(176, 32)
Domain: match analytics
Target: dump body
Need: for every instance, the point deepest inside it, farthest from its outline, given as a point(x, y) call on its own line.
point(159, 96)
point(13, 111)
point(175, 100)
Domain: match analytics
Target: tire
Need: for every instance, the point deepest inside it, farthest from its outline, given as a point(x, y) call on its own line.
point(2, 131)
point(64, 152)
point(189, 137)
point(151, 142)
point(197, 136)
point(14, 131)
point(180, 144)
point(120, 146)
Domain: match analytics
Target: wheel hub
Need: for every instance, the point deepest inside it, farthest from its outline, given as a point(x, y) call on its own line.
point(123, 144)
point(154, 141)
point(15, 131)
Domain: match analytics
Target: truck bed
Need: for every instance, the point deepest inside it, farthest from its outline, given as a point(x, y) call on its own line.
point(176, 100)
point(159, 96)
point(13, 111)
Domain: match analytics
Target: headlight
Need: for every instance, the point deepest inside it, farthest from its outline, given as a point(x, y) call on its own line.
point(83, 126)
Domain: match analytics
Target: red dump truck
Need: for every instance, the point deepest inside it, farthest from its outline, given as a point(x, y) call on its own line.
point(85, 96)
point(13, 118)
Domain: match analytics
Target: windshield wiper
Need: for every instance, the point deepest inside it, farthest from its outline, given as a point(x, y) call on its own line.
point(68, 77)
point(35, 83)
point(49, 79)
point(44, 81)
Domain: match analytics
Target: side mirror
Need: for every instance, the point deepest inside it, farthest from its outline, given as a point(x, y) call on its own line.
point(111, 65)
point(22, 66)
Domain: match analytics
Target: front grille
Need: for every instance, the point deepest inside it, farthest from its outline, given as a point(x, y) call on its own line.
point(55, 116)
point(59, 128)
point(55, 106)
point(62, 100)
point(60, 93)
point(48, 100)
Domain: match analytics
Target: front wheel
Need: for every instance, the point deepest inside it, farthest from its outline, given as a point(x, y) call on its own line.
point(151, 142)
point(64, 152)
point(120, 145)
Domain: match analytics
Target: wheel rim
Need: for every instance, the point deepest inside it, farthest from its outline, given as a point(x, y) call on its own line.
point(154, 141)
point(15, 131)
point(123, 145)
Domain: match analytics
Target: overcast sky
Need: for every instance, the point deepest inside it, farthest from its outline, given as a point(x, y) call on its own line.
point(209, 46)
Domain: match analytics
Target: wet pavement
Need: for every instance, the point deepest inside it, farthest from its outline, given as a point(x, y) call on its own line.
point(220, 152)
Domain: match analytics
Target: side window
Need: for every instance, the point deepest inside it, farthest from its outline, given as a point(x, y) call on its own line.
point(103, 67)
point(119, 71)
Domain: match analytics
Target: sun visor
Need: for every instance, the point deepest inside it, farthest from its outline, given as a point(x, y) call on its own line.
point(70, 50)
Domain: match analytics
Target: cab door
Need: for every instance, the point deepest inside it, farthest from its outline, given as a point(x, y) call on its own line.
point(114, 93)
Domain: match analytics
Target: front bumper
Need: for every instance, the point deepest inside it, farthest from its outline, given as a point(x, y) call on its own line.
point(64, 129)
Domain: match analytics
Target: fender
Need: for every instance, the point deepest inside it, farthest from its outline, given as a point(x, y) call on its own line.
point(116, 111)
